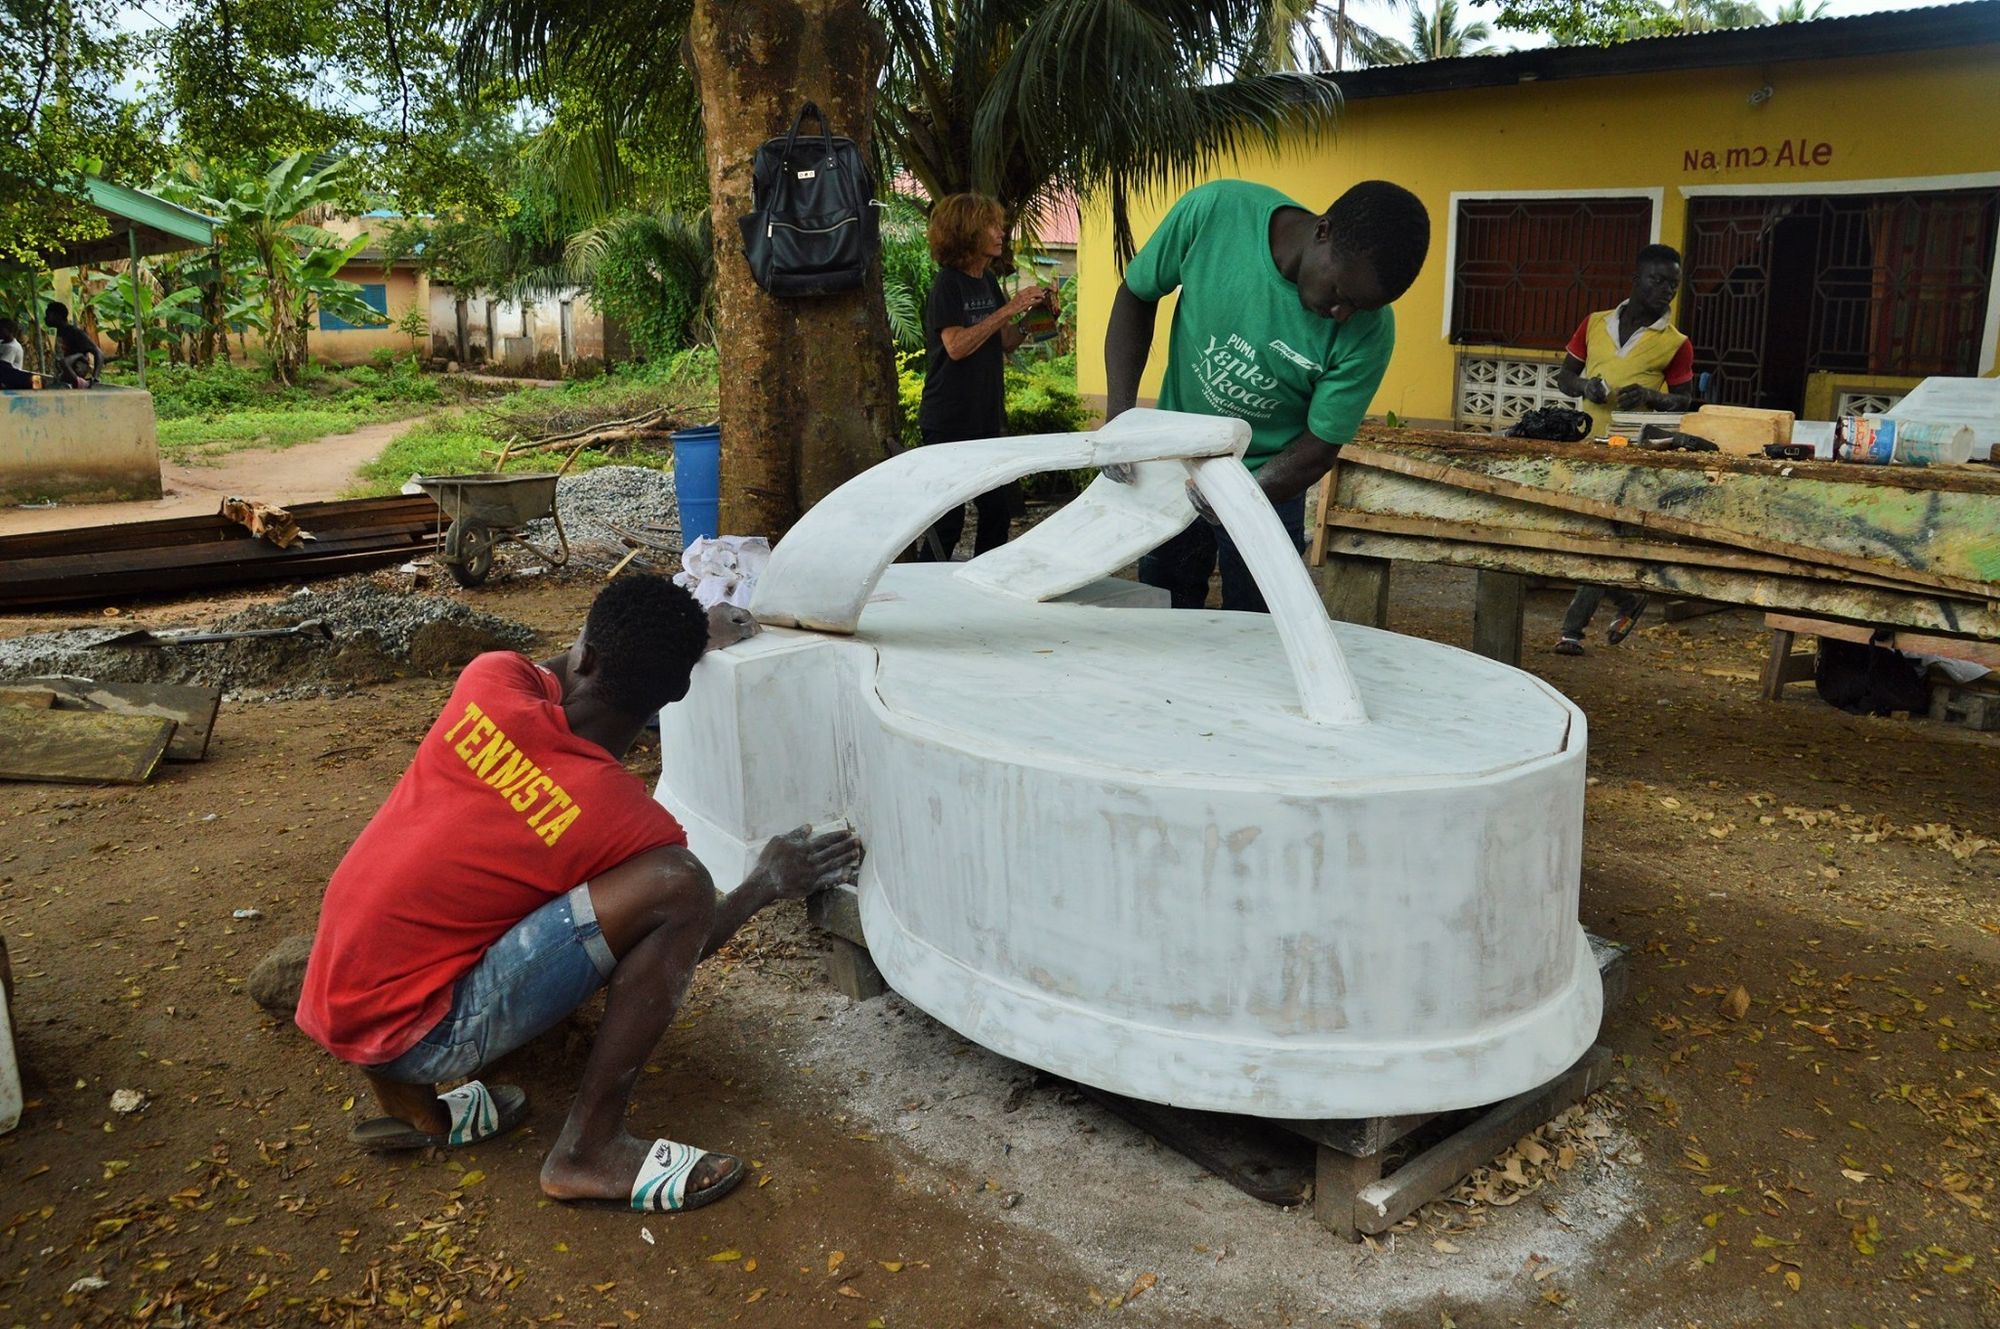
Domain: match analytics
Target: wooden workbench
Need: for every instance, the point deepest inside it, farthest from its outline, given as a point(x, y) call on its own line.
point(1901, 547)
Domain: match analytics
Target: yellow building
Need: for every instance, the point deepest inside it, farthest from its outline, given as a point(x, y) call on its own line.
point(1834, 187)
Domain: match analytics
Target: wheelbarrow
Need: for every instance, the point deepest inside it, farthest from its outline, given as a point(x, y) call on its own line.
point(488, 510)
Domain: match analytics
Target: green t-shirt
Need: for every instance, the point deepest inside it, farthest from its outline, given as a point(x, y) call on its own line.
point(1242, 344)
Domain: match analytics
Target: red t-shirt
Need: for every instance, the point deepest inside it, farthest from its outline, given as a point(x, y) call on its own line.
point(502, 810)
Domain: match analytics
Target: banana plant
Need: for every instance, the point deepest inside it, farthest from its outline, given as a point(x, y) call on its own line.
point(130, 305)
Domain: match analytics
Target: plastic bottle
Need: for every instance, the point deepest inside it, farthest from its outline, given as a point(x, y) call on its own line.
point(1927, 443)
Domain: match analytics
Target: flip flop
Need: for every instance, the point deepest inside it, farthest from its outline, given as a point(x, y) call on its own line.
point(661, 1186)
point(1621, 627)
point(477, 1113)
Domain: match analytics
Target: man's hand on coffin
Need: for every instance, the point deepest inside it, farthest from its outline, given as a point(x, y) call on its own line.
point(729, 624)
point(799, 863)
point(1121, 471)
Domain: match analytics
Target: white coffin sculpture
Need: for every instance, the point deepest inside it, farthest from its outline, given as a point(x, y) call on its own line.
point(1258, 864)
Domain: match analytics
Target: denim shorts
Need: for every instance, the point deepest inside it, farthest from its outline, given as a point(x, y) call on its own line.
point(542, 969)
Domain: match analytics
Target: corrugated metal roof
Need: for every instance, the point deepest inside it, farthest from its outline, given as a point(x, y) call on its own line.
point(1935, 27)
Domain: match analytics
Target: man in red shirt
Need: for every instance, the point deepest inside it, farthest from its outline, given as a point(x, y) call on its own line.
point(515, 868)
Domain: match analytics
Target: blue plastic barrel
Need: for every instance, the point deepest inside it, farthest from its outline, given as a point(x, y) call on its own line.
point(698, 481)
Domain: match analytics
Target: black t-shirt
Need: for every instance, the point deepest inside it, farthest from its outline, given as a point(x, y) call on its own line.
point(72, 340)
point(963, 398)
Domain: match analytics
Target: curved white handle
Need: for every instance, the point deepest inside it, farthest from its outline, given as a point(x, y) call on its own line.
point(1327, 691)
point(822, 573)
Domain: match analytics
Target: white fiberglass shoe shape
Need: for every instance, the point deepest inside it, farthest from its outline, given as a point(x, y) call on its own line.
point(1259, 864)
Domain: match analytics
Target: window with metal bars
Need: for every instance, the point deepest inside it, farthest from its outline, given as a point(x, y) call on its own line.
point(1526, 271)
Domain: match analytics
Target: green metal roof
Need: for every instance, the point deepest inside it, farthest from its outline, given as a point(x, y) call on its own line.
point(160, 227)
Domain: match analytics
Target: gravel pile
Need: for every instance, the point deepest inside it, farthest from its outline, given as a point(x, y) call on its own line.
point(378, 634)
point(634, 497)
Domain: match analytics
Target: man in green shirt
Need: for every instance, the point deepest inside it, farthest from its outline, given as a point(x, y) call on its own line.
point(1284, 322)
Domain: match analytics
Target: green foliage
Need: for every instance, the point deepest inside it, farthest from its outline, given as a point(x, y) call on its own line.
point(457, 444)
point(132, 300)
point(654, 272)
point(910, 394)
point(210, 410)
point(285, 266)
point(62, 117)
point(1042, 397)
point(1012, 98)
point(907, 269)
point(1436, 33)
point(684, 385)
point(1581, 22)
point(1330, 37)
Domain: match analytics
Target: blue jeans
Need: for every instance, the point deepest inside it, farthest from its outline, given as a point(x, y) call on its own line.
point(546, 966)
point(1182, 565)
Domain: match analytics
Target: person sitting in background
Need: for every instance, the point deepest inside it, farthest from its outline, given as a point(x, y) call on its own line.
point(10, 343)
point(1634, 359)
point(80, 363)
point(969, 326)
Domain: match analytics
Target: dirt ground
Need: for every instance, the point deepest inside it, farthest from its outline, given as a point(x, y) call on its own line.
point(325, 468)
point(1819, 1156)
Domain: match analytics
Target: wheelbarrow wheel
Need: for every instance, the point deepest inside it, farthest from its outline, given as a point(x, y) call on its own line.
point(468, 552)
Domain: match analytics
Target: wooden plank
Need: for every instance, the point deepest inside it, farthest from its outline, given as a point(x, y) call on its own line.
point(1316, 553)
point(1356, 590)
point(1498, 599)
point(326, 561)
point(1742, 431)
point(1917, 643)
point(1338, 1178)
point(1381, 1206)
point(11, 1098)
point(1254, 1155)
point(1693, 553)
point(837, 912)
point(191, 707)
point(80, 747)
point(1772, 684)
point(1856, 602)
point(318, 518)
point(39, 699)
point(1881, 530)
point(1360, 1136)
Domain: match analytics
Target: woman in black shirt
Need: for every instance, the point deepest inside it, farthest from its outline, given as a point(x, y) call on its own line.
point(969, 326)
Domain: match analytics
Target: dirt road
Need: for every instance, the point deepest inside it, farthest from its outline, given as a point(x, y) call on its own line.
point(306, 472)
point(1816, 1151)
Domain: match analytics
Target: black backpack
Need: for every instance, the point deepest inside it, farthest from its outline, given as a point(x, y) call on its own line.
point(1556, 424)
point(814, 229)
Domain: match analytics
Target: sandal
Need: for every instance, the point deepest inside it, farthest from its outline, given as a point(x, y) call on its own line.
point(1569, 646)
point(661, 1185)
point(477, 1113)
point(1621, 627)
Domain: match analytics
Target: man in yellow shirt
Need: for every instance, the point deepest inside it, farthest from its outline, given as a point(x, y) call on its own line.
point(1634, 358)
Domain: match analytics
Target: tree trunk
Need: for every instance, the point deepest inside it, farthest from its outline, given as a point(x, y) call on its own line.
point(808, 385)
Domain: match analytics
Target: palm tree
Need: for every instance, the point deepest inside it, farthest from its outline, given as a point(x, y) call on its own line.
point(1436, 35)
point(1332, 39)
point(1799, 11)
point(1004, 97)
point(1714, 15)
